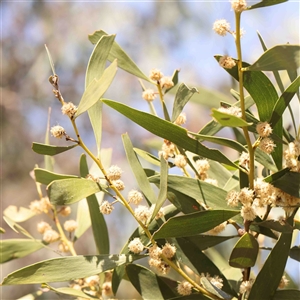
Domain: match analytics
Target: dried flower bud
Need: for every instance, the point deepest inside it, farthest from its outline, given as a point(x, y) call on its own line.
point(70, 225)
point(221, 27)
point(180, 161)
point(43, 226)
point(168, 250)
point(227, 62)
point(69, 109)
point(267, 145)
point(65, 211)
point(136, 246)
point(135, 197)
point(166, 82)
point(106, 208)
point(119, 184)
point(58, 131)
point(184, 288)
point(264, 129)
point(114, 173)
point(50, 236)
point(181, 119)
point(156, 74)
point(149, 95)
point(238, 5)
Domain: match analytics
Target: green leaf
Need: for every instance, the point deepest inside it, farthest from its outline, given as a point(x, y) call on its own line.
point(174, 79)
point(194, 223)
point(275, 225)
point(18, 214)
point(295, 253)
point(287, 295)
point(221, 141)
point(46, 177)
point(17, 228)
point(272, 269)
point(97, 62)
point(284, 100)
point(71, 190)
point(138, 170)
point(201, 263)
point(148, 157)
point(147, 283)
point(204, 242)
point(64, 269)
point(280, 57)
point(245, 252)
point(265, 96)
point(49, 149)
point(48, 160)
point(116, 52)
point(95, 115)
point(99, 226)
point(265, 3)
point(212, 195)
point(163, 187)
point(289, 183)
point(31, 296)
point(228, 120)
point(169, 131)
point(68, 291)
point(96, 89)
point(17, 248)
point(183, 95)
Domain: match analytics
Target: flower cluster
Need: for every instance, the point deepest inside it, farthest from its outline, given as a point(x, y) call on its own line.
point(292, 156)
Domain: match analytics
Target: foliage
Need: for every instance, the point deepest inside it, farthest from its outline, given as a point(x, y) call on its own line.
point(179, 227)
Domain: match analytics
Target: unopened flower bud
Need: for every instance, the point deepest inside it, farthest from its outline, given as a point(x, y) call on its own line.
point(156, 74)
point(70, 225)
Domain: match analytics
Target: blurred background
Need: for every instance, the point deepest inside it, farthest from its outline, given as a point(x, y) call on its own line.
point(161, 34)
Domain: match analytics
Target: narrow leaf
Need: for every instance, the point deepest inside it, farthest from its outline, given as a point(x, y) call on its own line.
point(64, 269)
point(116, 52)
point(265, 3)
point(228, 120)
point(284, 100)
point(287, 295)
point(289, 183)
point(99, 226)
point(138, 170)
point(49, 149)
point(204, 242)
point(194, 223)
point(97, 88)
point(71, 190)
point(295, 253)
point(167, 130)
point(245, 252)
point(272, 269)
point(46, 177)
point(96, 64)
point(183, 95)
point(17, 248)
point(280, 57)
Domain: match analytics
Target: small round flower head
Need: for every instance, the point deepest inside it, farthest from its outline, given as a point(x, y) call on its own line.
point(156, 74)
point(181, 119)
point(45, 204)
point(232, 198)
point(246, 286)
point(92, 280)
point(264, 129)
point(50, 236)
point(160, 214)
point(283, 282)
point(166, 82)
point(149, 95)
point(216, 281)
point(155, 252)
point(114, 173)
point(163, 268)
point(142, 213)
point(291, 155)
point(43, 226)
point(69, 109)
point(246, 196)
point(221, 27)
point(248, 213)
point(106, 208)
point(168, 250)
point(168, 148)
point(135, 197)
point(217, 229)
point(70, 225)
point(180, 161)
point(62, 247)
point(227, 62)
point(58, 131)
point(136, 246)
point(107, 289)
point(267, 145)
point(65, 211)
point(244, 160)
point(184, 288)
point(238, 5)
point(35, 206)
point(119, 184)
